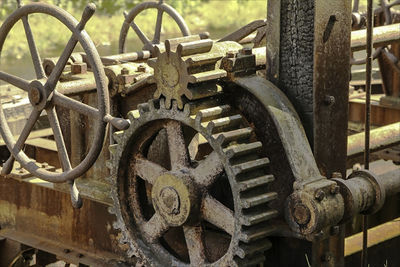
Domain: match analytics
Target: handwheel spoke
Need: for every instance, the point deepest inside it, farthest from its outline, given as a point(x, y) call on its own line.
point(148, 170)
point(37, 62)
point(195, 244)
point(58, 136)
point(14, 80)
point(69, 103)
point(154, 228)
point(8, 165)
point(61, 63)
point(140, 33)
point(176, 144)
point(208, 169)
point(157, 33)
point(218, 214)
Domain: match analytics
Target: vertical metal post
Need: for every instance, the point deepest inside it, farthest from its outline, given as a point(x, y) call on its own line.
point(332, 33)
point(370, 27)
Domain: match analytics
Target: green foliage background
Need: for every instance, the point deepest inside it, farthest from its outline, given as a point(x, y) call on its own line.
point(218, 17)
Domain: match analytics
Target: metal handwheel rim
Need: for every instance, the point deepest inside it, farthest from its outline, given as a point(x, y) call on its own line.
point(159, 6)
point(103, 102)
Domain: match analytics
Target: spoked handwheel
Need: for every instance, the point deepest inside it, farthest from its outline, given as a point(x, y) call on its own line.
point(44, 96)
point(147, 43)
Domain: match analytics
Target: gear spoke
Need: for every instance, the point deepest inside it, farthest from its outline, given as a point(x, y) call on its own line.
point(62, 61)
point(140, 33)
point(208, 169)
point(176, 143)
point(37, 62)
point(195, 244)
point(154, 228)
point(217, 214)
point(8, 165)
point(14, 80)
point(148, 170)
point(157, 33)
point(69, 103)
point(58, 136)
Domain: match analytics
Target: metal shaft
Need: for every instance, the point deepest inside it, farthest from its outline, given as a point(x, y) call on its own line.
point(364, 254)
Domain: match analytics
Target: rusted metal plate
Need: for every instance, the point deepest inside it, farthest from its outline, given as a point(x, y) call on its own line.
point(46, 214)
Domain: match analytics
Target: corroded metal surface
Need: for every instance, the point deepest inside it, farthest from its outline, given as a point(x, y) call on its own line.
point(233, 158)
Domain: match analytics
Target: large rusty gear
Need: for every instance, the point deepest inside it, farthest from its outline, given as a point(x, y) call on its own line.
point(171, 212)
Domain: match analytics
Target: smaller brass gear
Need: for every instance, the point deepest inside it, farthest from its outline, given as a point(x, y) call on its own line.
point(189, 67)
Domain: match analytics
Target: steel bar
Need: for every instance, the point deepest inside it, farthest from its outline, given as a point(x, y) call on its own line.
point(378, 235)
point(370, 30)
point(380, 138)
point(383, 35)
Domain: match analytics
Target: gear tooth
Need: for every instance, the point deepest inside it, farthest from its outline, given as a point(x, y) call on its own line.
point(151, 105)
point(113, 149)
point(118, 136)
point(143, 108)
point(255, 217)
point(256, 232)
point(175, 105)
point(255, 260)
point(238, 150)
point(222, 124)
point(162, 103)
point(133, 115)
point(168, 102)
point(157, 93)
point(187, 109)
point(251, 165)
point(252, 201)
point(235, 135)
point(255, 182)
point(246, 250)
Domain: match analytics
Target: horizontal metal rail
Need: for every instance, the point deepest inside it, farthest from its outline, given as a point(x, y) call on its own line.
point(383, 36)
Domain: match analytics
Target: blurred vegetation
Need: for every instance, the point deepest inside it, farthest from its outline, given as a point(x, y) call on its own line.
point(217, 17)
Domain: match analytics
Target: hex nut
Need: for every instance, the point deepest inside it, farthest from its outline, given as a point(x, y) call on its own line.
point(320, 195)
point(78, 68)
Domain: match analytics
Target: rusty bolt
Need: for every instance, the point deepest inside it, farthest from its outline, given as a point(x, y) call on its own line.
point(246, 51)
point(329, 100)
point(334, 230)
point(141, 68)
point(230, 54)
point(124, 71)
point(35, 95)
point(319, 195)
point(78, 68)
point(301, 214)
point(334, 189)
point(326, 257)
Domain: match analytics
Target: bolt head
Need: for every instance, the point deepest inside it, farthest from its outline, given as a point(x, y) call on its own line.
point(246, 51)
point(124, 71)
point(78, 68)
point(301, 214)
point(141, 68)
point(334, 189)
point(329, 100)
point(35, 95)
point(230, 54)
point(320, 195)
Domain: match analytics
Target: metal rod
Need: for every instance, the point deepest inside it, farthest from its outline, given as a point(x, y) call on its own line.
point(370, 17)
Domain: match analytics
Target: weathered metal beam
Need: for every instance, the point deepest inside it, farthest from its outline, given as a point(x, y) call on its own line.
point(273, 41)
point(331, 75)
point(383, 35)
point(381, 138)
point(376, 235)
